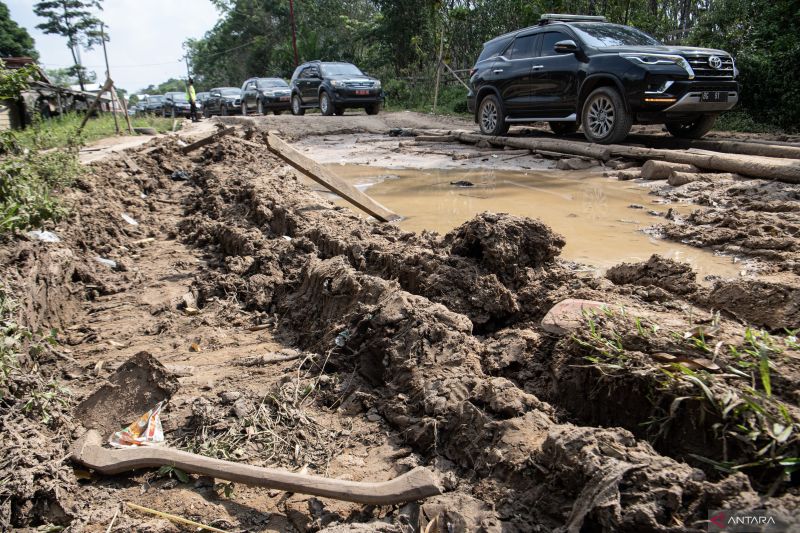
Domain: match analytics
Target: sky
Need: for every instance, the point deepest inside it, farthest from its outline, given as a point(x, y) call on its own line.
point(146, 38)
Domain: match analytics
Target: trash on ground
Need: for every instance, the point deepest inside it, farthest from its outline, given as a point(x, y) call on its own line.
point(44, 236)
point(145, 431)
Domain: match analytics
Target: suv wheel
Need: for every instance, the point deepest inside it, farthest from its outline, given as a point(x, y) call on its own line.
point(605, 119)
point(339, 111)
point(373, 109)
point(224, 111)
point(206, 113)
point(297, 107)
point(172, 113)
point(261, 107)
point(277, 111)
point(692, 130)
point(244, 109)
point(325, 105)
point(491, 118)
point(563, 128)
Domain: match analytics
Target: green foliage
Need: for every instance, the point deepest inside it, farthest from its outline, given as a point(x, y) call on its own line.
point(171, 85)
point(173, 471)
point(66, 77)
point(15, 41)
point(14, 81)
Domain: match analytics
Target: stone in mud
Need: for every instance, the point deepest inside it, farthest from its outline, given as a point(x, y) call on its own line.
point(772, 305)
point(568, 315)
point(505, 244)
point(136, 386)
point(672, 276)
point(575, 163)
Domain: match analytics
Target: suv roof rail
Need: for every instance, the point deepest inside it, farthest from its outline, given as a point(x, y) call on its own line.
point(547, 18)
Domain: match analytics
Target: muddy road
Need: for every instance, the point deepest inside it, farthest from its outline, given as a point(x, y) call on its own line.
point(550, 373)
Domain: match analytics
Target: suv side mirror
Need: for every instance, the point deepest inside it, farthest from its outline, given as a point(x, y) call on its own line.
point(566, 46)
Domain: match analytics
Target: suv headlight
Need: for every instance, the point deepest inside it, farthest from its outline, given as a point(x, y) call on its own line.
point(269, 93)
point(339, 83)
point(377, 84)
point(661, 59)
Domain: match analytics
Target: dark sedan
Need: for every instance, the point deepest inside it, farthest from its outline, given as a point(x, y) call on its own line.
point(222, 101)
point(264, 95)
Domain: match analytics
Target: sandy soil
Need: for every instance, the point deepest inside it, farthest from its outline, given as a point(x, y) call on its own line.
point(410, 350)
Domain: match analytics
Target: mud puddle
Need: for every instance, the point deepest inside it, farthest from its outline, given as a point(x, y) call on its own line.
point(592, 212)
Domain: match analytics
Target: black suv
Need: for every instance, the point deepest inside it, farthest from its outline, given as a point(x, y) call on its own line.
point(334, 87)
point(175, 105)
point(222, 101)
point(265, 94)
point(574, 70)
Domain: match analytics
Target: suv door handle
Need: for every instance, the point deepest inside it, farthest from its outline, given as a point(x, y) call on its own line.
point(537, 67)
point(497, 71)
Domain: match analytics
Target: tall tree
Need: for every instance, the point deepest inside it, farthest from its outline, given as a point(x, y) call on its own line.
point(75, 20)
point(15, 40)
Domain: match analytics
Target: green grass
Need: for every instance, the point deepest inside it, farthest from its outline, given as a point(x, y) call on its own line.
point(60, 132)
point(744, 122)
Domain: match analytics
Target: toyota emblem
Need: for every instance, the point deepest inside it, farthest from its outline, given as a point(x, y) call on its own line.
point(715, 62)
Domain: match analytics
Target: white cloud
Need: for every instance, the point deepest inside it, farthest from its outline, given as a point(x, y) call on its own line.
point(146, 38)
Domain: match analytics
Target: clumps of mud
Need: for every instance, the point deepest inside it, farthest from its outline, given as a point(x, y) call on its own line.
point(444, 334)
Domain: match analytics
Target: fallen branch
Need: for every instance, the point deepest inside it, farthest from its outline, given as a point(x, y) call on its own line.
point(207, 140)
point(261, 360)
point(763, 148)
point(415, 485)
point(661, 170)
point(174, 518)
point(594, 151)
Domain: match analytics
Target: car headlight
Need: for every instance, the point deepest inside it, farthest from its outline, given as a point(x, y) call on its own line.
point(377, 84)
point(268, 93)
point(661, 59)
point(339, 83)
point(735, 70)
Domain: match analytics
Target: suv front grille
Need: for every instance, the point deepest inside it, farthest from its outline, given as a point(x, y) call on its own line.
point(360, 84)
point(704, 71)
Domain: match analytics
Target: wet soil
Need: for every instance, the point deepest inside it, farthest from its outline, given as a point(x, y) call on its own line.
point(394, 349)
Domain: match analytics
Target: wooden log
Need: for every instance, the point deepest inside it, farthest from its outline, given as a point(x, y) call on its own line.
point(785, 170)
point(207, 140)
point(661, 170)
point(725, 146)
point(594, 151)
point(415, 485)
point(328, 179)
point(676, 179)
point(435, 138)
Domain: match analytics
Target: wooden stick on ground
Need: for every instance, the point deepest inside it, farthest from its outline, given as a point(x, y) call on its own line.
point(328, 179)
point(207, 140)
point(174, 518)
point(415, 485)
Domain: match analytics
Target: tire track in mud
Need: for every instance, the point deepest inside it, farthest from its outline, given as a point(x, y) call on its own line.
point(405, 311)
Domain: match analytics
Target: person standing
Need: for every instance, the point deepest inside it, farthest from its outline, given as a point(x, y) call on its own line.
point(192, 97)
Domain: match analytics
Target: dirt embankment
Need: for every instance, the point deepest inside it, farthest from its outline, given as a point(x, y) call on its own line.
point(411, 350)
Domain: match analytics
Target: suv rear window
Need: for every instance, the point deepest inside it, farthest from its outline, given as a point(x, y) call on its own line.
point(523, 47)
point(606, 35)
point(493, 49)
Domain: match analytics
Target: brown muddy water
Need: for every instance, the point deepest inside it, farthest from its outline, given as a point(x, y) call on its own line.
point(594, 213)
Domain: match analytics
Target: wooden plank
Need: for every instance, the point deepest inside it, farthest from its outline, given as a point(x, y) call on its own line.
point(207, 140)
point(328, 179)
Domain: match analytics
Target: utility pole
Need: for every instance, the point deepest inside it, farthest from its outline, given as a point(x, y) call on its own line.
point(114, 101)
point(188, 73)
point(294, 33)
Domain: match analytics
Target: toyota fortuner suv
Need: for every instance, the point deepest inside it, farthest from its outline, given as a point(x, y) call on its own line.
point(573, 71)
point(334, 87)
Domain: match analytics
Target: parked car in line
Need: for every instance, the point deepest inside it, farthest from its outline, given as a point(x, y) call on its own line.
point(176, 105)
point(153, 104)
point(139, 107)
point(201, 98)
point(264, 95)
point(574, 70)
point(223, 101)
point(334, 87)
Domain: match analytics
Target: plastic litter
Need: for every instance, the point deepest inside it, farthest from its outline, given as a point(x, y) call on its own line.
point(44, 236)
point(180, 175)
point(146, 431)
point(106, 262)
point(129, 219)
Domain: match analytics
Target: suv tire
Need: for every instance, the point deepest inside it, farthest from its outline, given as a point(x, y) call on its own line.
point(172, 113)
point(325, 104)
point(277, 111)
point(604, 117)
point(491, 118)
point(224, 111)
point(339, 111)
point(260, 108)
point(297, 106)
point(206, 113)
point(244, 109)
point(563, 128)
point(373, 109)
point(692, 130)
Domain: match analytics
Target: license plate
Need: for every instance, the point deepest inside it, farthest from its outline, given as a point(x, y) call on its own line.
point(714, 96)
point(362, 92)
point(284, 98)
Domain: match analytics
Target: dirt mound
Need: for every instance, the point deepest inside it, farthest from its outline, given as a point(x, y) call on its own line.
point(772, 305)
point(672, 276)
point(505, 244)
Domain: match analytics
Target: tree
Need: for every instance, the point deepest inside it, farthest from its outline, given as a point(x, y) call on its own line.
point(74, 20)
point(65, 77)
point(15, 41)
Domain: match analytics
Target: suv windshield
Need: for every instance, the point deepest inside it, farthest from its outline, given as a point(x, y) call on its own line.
point(179, 97)
point(155, 98)
point(231, 92)
point(263, 84)
point(607, 35)
point(340, 69)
